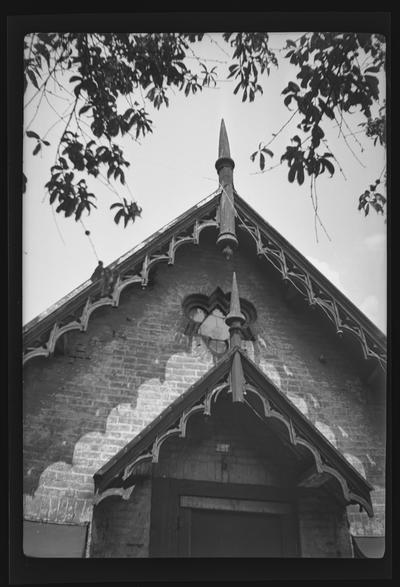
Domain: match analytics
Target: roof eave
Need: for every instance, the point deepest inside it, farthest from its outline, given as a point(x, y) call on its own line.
point(323, 281)
point(75, 299)
point(359, 488)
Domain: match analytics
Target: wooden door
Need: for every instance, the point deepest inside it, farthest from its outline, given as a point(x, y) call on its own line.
point(216, 533)
point(202, 519)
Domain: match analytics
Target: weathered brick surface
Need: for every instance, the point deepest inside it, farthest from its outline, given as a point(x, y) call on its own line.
point(322, 524)
point(121, 528)
point(80, 408)
point(323, 529)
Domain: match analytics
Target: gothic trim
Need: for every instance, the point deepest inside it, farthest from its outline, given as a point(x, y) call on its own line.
point(321, 467)
point(42, 333)
point(311, 284)
point(114, 491)
point(201, 398)
point(141, 447)
point(301, 431)
point(161, 247)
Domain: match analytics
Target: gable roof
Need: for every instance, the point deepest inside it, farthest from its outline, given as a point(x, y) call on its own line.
point(74, 310)
point(270, 404)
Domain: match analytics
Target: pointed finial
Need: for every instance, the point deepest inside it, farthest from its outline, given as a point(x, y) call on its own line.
point(235, 313)
point(223, 149)
point(224, 154)
point(227, 240)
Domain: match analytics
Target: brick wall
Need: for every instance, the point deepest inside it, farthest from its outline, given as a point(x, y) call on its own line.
point(82, 406)
point(323, 528)
point(122, 529)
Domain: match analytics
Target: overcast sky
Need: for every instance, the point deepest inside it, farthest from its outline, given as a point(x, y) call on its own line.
point(173, 169)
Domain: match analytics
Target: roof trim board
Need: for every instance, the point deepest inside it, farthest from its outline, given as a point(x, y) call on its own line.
point(200, 397)
point(259, 228)
point(168, 237)
point(42, 333)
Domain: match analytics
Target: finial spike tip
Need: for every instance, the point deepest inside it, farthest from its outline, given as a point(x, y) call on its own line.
point(235, 312)
point(223, 150)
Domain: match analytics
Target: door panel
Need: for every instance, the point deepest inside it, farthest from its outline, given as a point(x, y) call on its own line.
point(235, 534)
point(196, 518)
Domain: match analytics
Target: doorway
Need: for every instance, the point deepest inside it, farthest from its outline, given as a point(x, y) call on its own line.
point(202, 519)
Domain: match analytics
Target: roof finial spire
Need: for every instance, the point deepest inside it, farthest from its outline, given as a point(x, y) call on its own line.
point(223, 150)
point(227, 236)
point(235, 319)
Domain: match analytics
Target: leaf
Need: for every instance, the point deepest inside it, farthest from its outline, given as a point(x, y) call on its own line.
point(116, 205)
point(32, 134)
point(288, 99)
point(300, 174)
point(45, 142)
point(32, 77)
point(44, 51)
point(118, 216)
point(267, 152)
point(374, 69)
point(36, 149)
point(329, 167)
point(84, 109)
point(293, 87)
point(53, 196)
point(235, 91)
point(292, 173)
point(262, 161)
point(79, 210)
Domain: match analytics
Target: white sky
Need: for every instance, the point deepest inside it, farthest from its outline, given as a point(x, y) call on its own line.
point(173, 169)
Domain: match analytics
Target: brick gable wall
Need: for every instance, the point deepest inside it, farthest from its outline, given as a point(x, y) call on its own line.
point(82, 406)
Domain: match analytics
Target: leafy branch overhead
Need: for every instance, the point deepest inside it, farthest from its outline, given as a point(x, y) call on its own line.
point(331, 82)
point(110, 79)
